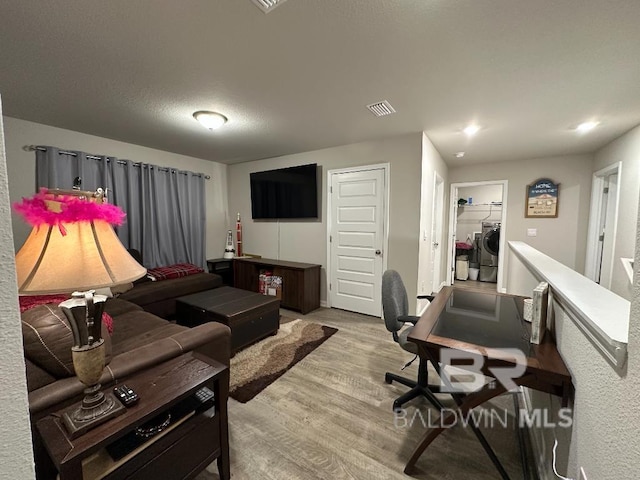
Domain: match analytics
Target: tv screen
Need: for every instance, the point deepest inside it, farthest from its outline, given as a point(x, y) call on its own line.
point(285, 193)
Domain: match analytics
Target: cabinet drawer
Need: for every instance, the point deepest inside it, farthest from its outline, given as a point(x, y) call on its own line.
point(191, 452)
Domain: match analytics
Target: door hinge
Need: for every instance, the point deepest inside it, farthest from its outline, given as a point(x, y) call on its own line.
point(606, 190)
point(601, 238)
point(331, 189)
point(330, 238)
point(329, 286)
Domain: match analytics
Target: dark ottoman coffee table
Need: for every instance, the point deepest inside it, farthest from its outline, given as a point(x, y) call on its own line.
point(251, 316)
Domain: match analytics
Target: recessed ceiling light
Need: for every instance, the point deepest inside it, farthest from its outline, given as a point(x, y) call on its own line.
point(471, 130)
point(586, 126)
point(459, 154)
point(210, 120)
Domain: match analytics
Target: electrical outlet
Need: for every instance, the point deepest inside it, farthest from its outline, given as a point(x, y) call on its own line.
point(532, 232)
point(583, 476)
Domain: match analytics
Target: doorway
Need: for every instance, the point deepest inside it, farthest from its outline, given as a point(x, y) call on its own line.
point(477, 232)
point(603, 224)
point(357, 237)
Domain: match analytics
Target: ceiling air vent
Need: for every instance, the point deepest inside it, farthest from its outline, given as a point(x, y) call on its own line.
point(267, 5)
point(380, 109)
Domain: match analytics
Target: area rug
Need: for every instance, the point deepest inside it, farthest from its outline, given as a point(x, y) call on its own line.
point(256, 367)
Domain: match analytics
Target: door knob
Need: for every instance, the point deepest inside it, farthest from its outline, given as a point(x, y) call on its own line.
point(435, 244)
point(378, 252)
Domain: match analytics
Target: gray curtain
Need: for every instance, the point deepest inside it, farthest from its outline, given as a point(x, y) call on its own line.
point(165, 207)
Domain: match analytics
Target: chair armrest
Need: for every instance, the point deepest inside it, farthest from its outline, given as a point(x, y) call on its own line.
point(408, 319)
point(426, 297)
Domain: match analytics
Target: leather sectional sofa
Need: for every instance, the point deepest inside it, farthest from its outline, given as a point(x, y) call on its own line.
point(140, 340)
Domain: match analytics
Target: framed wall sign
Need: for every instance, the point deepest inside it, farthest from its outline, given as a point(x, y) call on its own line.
point(542, 199)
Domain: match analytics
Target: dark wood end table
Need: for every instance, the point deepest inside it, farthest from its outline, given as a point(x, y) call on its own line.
point(179, 451)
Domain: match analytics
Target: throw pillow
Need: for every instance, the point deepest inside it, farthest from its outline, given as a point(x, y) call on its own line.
point(48, 340)
point(30, 301)
point(173, 271)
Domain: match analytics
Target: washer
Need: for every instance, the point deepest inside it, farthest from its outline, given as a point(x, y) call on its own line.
point(489, 249)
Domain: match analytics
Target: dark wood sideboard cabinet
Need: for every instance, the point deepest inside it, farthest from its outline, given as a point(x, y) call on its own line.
point(134, 445)
point(300, 281)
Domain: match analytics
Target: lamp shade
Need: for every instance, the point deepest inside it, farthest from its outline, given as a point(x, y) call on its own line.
point(73, 248)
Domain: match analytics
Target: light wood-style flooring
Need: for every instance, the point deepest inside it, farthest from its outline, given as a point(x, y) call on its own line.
point(475, 285)
point(330, 417)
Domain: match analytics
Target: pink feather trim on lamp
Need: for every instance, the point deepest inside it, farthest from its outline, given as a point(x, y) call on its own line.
point(36, 212)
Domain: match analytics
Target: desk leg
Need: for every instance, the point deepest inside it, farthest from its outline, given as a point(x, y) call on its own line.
point(488, 392)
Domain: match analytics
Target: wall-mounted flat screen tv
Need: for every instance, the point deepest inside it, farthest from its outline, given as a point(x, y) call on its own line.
point(285, 193)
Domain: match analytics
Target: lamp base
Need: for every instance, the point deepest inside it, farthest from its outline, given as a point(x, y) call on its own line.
point(96, 408)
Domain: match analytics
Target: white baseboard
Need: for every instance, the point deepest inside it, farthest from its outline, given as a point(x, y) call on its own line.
point(323, 303)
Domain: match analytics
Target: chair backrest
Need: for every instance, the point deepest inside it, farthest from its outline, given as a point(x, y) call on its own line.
point(394, 300)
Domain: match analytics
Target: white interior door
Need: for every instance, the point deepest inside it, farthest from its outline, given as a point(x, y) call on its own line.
point(357, 238)
point(436, 232)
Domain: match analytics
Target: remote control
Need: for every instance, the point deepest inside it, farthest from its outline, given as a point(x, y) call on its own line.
point(126, 395)
point(204, 395)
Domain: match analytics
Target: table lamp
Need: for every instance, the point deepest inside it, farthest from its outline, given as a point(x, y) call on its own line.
point(73, 248)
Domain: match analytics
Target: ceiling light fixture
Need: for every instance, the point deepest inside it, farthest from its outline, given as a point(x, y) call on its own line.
point(471, 130)
point(459, 154)
point(210, 120)
point(586, 126)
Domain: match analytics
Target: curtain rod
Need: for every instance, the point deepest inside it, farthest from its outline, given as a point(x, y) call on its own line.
point(33, 148)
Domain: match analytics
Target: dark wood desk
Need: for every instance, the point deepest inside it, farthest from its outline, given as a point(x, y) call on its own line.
point(482, 325)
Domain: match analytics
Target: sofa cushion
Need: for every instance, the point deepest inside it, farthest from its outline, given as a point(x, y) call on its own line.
point(210, 339)
point(48, 340)
point(152, 292)
point(36, 377)
point(117, 306)
point(138, 328)
point(177, 270)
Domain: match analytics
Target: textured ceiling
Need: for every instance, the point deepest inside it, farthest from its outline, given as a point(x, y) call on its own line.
point(299, 78)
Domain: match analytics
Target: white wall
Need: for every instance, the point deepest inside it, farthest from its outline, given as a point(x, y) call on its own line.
point(625, 149)
point(432, 163)
point(16, 454)
point(470, 217)
point(562, 238)
point(305, 241)
point(604, 436)
point(21, 168)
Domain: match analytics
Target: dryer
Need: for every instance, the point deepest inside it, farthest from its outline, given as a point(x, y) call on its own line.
point(489, 249)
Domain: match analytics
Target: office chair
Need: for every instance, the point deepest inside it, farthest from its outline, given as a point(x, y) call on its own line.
point(395, 309)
